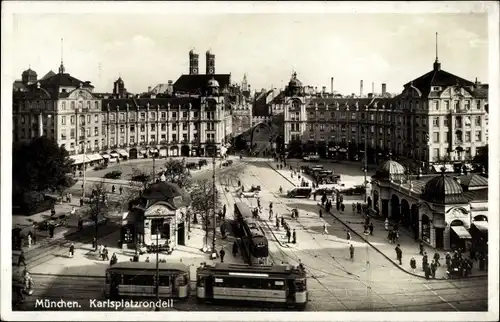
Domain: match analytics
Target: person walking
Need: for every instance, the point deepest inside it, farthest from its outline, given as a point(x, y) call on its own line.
point(353, 208)
point(433, 268)
point(80, 222)
point(413, 264)
point(121, 190)
point(94, 244)
point(51, 230)
point(351, 252)
point(342, 207)
point(320, 213)
point(113, 188)
point(71, 250)
point(105, 253)
point(386, 224)
point(113, 260)
point(425, 261)
point(448, 260)
point(147, 260)
point(235, 248)
point(436, 258)
point(399, 254)
point(370, 228)
point(421, 247)
point(325, 230)
point(29, 239)
point(277, 223)
point(294, 237)
point(21, 259)
point(222, 253)
point(348, 235)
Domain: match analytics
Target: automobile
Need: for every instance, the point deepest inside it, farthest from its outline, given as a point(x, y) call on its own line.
point(100, 166)
point(227, 163)
point(113, 174)
point(311, 157)
point(299, 192)
point(322, 190)
point(254, 188)
point(249, 194)
point(356, 190)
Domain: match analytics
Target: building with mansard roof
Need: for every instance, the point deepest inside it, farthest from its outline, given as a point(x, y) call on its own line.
point(437, 117)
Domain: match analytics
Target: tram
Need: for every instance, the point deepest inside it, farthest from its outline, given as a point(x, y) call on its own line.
point(138, 279)
point(252, 238)
point(278, 285)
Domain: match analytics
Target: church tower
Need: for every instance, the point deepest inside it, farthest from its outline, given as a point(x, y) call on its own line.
point(193, 62)
point(210, 63)
point(244, 83)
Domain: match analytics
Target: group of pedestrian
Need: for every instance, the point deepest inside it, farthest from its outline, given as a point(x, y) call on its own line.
point(291, 234)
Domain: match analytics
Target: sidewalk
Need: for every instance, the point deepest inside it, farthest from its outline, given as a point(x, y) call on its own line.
point(355, 223)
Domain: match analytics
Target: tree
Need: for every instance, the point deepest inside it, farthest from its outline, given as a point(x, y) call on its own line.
point(175, 171)
point(482, 157)
point(203, 203)
point(40, 165)
point(98, 205)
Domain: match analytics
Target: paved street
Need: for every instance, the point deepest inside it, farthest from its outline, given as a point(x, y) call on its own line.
point(336, 283)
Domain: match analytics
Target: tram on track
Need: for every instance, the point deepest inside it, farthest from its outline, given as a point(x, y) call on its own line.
point(279, 285)
point(252, 237)
point(138, 279)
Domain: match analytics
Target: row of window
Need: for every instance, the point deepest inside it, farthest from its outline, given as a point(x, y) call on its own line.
point(163, 137)
point(459, 121)
point(436, 153)
point(459, 137)
point(466, 104)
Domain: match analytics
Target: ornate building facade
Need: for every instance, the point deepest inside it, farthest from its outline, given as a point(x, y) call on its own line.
point(438, 116)
point(195, 119)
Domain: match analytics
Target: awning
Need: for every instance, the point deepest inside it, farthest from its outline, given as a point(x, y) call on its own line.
point(115, 155)
point(105, 156)
point(113, 160)
point(163, 152)
point(143, 152)
point(461, 232)
point(123, 153)
point(342, 150)
point(94, 157)
point(153, 150)
point(79, 158)
point(447, 167)
point(332, 149)
point(481, 225)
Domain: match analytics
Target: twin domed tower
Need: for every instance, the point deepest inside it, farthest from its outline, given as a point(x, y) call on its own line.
point(194, 60)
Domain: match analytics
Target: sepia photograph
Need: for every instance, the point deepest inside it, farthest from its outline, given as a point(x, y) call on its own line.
point(246, 161)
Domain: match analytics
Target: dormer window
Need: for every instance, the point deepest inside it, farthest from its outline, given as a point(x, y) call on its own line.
point(436, 88)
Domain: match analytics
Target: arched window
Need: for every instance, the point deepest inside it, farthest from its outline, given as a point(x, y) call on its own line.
point(295, 104)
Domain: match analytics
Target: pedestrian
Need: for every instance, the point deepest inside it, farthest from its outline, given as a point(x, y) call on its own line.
point(386, 224)
point(81, 202)
point(325, 230)
point(73, 211)
point(235, 248)
point(413, 264)
point(136, 256)
point(433, 268)
point(113, 189)
point(105, 253)
point(353, 207)
point(348, 235)
point(427, 271)
point(21, 259)
point(448, 260)
point(147, 259)
point(320, 213)
point(94, 244)
point(29, 239)
point(53, 211)
point(80, 222)
point(351, 251)
point(371, 229)
point(51, 230)
point(421, 247)
point(294, 237)
point(71, 250)
point(113, 260)
point(399, 254)
point(282, 221)
point(121, 190)
point(436, 258)
point(342, 207)
point(281, 190)
point(277, 223)
point(222, 253)
point(270, 214)
point(425, 261)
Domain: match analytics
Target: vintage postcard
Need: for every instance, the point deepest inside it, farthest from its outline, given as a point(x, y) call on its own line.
point(221, 161)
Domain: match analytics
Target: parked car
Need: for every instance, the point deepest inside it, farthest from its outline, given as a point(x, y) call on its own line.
point(100, 166)
point(356, 190)
point(113, 174)
point(311, 157)
point(322, 190)
point(299, 192)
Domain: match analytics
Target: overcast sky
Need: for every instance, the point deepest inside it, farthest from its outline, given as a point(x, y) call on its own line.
point(149, 49)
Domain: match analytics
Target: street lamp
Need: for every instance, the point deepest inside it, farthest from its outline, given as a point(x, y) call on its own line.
point(157, 280)
point(214, 252)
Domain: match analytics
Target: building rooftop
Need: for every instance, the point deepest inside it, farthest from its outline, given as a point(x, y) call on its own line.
point(196, 84)
point(141, 103)
point(437, 77)
point(444, 190)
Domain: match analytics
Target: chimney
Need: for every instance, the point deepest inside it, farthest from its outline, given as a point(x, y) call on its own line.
point(384, 88)
point(361, 88)
point(331, 85)
point(170, 87)
point(149, 89)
